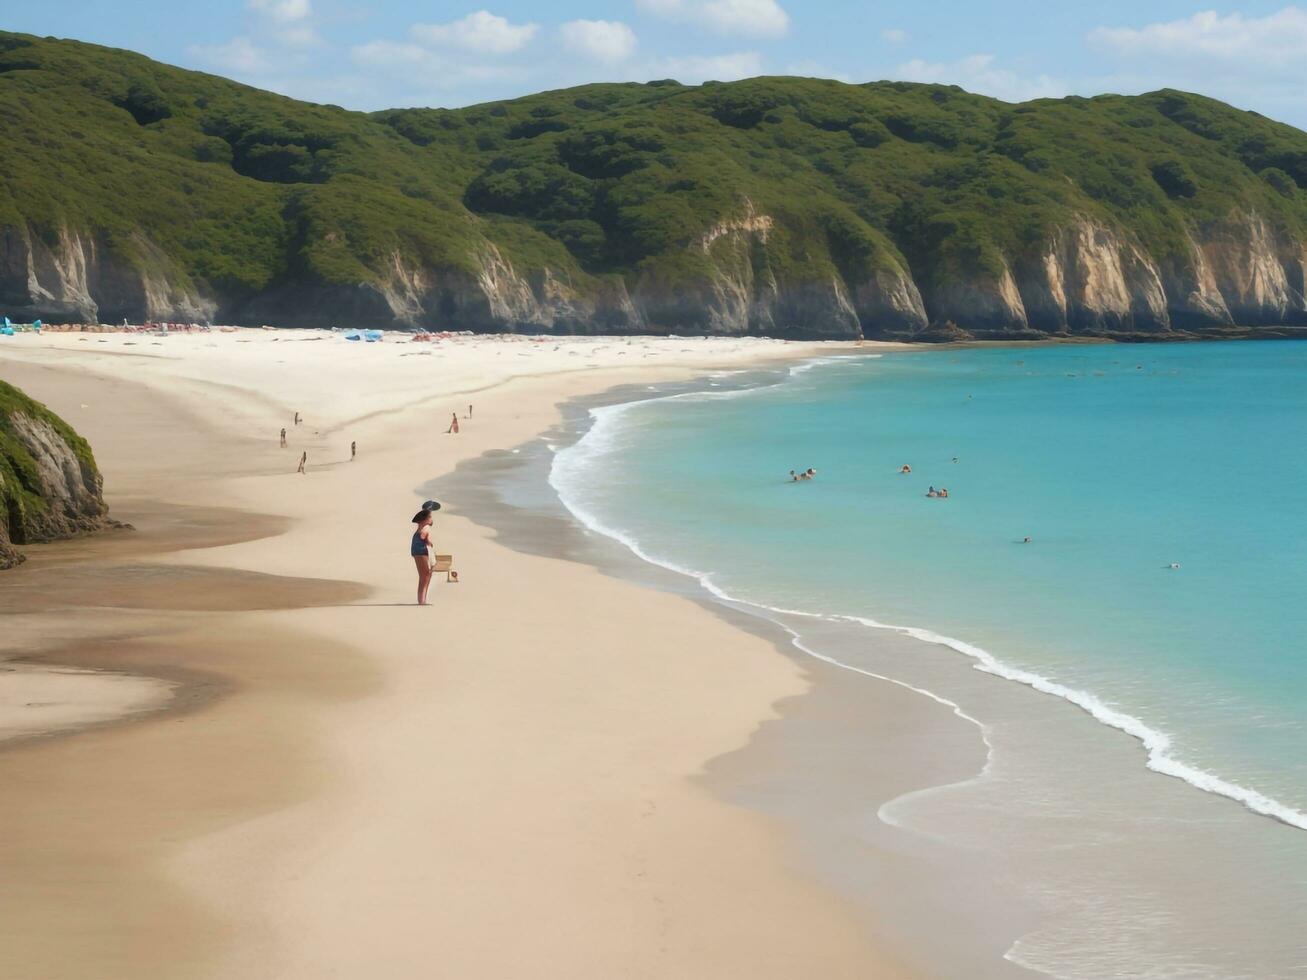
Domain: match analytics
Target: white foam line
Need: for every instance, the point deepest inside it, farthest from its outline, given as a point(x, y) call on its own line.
point(1157, 744)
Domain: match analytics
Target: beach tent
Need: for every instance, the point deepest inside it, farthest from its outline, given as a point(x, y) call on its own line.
point(353, 335)
point(372, 336)
point(36, 325)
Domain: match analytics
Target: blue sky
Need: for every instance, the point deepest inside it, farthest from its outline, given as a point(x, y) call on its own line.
point(371, 55)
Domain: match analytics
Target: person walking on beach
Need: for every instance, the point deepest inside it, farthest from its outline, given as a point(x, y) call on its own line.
point(283, 437)
point(469, 411)
point(453, 424)
point(353, 451)
point(304, 459)
point(297, 418)
point(421, 548)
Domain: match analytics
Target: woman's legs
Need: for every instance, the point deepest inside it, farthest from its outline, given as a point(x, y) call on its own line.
point(424, 577)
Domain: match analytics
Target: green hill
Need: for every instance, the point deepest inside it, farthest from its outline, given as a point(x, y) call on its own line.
point(49, 483)
point(787, 206)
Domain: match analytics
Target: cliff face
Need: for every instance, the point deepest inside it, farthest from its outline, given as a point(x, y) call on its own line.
point(50, 487)
point(1086, 279)
point(1092, 280)
point(77, 276)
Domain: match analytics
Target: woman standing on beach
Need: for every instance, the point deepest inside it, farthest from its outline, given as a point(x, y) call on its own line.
point(421, 550)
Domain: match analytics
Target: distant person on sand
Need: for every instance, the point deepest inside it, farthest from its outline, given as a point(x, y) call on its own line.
point(283, 437)
point(304, 459)
point(353, 451)
point(421, 548)
point(469, 411)
point(453, 424)
point(297, 418)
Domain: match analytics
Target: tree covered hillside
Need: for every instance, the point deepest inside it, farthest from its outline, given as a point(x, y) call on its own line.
point(774, 205)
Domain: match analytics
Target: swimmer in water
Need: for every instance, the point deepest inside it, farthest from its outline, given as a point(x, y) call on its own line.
point(1025, 540)
point(932, 492)
point(811, 474)
point(905, 468)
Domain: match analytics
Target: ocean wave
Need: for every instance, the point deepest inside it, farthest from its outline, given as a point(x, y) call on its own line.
point(567, 474)
point(805, 366)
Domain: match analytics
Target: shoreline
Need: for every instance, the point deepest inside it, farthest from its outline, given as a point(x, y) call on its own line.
point(256, 908)
point(814, 730)
point(1173, 803)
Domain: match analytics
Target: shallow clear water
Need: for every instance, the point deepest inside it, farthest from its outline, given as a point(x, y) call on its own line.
point(1117, 461)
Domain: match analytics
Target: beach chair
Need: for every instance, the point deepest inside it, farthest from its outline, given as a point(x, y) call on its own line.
point(445, 563)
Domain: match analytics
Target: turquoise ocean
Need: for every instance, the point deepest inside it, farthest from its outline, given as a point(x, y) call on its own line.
point(1163, 489)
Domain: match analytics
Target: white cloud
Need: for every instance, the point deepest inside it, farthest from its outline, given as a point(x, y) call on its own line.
point(480, 31)
point(283, 11)
point(608, 41)
point(430, 74)
point(721, 68)
point(978, 73)
point(893, 35)
point(1209, 39)
point(286, 22)
point(1255, 62)
point(388, 54)
point(240, 55)
point(752, 18)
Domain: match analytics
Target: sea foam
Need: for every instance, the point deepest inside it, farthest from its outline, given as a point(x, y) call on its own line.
point(576, 466)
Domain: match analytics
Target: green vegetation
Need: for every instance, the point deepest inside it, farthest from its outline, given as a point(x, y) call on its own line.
point(24, 510)
point(240, 191)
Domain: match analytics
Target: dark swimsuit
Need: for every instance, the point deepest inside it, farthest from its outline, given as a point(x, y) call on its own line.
point(419, 547)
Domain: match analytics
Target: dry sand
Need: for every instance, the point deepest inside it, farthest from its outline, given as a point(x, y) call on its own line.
point(499, 785)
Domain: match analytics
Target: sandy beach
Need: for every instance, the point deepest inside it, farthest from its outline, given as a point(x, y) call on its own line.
point(275, 765)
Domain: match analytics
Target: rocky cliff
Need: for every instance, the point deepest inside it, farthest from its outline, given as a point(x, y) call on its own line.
point(1086, 279)
point(50, 487)
point(78, 276)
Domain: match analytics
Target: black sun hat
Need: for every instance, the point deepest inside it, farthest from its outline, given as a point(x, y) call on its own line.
point(428, 508)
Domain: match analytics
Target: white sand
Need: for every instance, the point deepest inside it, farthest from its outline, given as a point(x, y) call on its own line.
point(495, 786)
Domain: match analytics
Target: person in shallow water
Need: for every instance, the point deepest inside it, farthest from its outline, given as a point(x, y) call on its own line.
point(905, 468)
point(420, 547)
point(932, 492)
